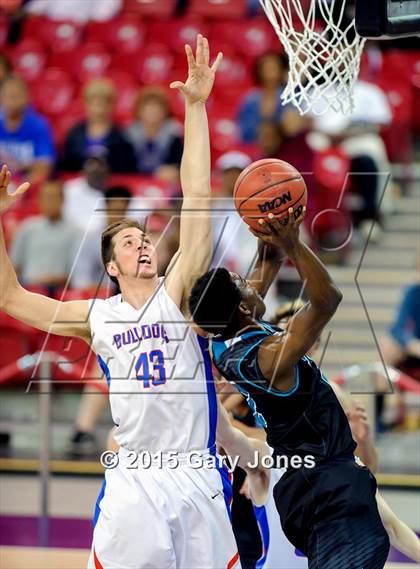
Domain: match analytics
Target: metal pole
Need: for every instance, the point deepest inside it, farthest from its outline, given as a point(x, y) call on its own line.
point(44, 449)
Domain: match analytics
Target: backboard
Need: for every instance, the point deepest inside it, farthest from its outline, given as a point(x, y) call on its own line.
point(387, 19)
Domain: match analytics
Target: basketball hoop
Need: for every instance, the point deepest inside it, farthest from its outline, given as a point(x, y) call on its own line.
point(324, 53)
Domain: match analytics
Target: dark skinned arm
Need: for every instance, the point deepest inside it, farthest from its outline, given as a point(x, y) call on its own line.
point(269, 262)
point(279, 353)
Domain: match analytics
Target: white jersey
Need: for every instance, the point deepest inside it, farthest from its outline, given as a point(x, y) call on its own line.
point(278, 552)
point(159, 374)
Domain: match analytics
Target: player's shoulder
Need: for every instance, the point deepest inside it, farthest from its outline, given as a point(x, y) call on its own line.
point(102, 304)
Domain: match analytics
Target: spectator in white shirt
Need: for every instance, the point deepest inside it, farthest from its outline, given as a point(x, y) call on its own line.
point(358, 135)
point(44, 247)
point(78, 10)
point(82, 195)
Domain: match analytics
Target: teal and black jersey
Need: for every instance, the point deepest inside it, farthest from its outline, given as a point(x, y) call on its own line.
point(306, 420)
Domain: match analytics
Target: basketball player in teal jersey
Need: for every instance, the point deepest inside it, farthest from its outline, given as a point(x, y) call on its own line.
point(328, 512)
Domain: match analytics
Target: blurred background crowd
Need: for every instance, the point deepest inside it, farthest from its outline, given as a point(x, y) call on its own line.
point(86, 114)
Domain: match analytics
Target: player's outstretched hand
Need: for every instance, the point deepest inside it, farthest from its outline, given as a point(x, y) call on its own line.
point(6, 199)
point(359, 422)
point(201, 76)
point(283, 233)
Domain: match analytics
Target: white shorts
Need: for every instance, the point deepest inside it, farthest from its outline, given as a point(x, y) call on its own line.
point(164, 518)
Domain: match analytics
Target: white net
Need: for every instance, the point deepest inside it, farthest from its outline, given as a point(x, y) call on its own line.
point(324, 52)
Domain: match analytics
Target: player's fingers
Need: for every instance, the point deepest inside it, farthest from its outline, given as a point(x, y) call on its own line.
point(21, 189)
point(217, 62)
point(199, 54)
point(3, 174)
point(177, 85)
point(206, 50)
point(190, 56)
point(274, 222)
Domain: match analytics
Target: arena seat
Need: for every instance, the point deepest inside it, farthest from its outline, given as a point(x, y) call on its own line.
point(127, 88)
point(251, 38)
point(177, 32)
point(89, 61)
point(228, 9)
point(54, 94)
point(233, 71)
point(224, 134)
point(4, 30)
point(59, 35)
point(122, 35)
point(397, 136)
point(150, 8)
point(29, 59)
point(151, 65)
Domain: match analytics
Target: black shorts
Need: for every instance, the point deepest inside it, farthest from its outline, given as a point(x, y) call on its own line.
point(330, 514)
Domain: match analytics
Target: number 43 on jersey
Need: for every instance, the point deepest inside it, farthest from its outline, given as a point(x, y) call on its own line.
point(150, 368)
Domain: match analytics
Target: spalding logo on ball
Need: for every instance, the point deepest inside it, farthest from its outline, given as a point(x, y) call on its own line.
point(269, 186)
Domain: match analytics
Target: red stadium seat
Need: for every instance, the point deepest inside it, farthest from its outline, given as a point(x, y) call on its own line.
point(224, 134)
point(151, 65)
point(397, 136)
point(127, 89)
point(233, 70)
point(404, 64)
point(4, 29)
point(29, 58)
point(252, 38)
point(91, 60)
point(122, 35)
point(53, 95)
point(150, 8)
point(416, 103)
point(226, 9)
point(61, 35)
point(177, 32)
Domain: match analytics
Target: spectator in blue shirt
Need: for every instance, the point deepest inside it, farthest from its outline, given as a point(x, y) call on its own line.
point(264, 102)
point(26, 143)
point(403, 341)
point(98, 136)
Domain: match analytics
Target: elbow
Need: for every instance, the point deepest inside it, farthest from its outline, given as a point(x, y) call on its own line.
point(8, 296)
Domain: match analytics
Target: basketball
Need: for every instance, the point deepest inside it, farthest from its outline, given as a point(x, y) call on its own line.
point(269, 186)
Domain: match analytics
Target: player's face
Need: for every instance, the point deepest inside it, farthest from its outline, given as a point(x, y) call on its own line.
point(250, 296)
point(134, 254)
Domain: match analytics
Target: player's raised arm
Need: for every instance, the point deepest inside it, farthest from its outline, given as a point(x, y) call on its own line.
point(269, 262)
point(278, 355)
point(196, 240)
point(63, 318)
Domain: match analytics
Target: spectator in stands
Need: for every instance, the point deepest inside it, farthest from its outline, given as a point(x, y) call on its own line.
point(358, 135)
point(83, 194)
point(233, 244)
point(89, 271)
point(44, 248)
point(293, 149)
point(155, 136)
point(25, 137)
point(98, 135)
point(78, 10)
point(402, 345)
point(264, 102)
point(5, 67)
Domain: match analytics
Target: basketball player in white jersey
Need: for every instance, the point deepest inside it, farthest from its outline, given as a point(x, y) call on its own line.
point(156, 508)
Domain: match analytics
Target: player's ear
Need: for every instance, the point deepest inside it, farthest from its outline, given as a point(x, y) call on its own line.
point(112, 269)
point(244, 308)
